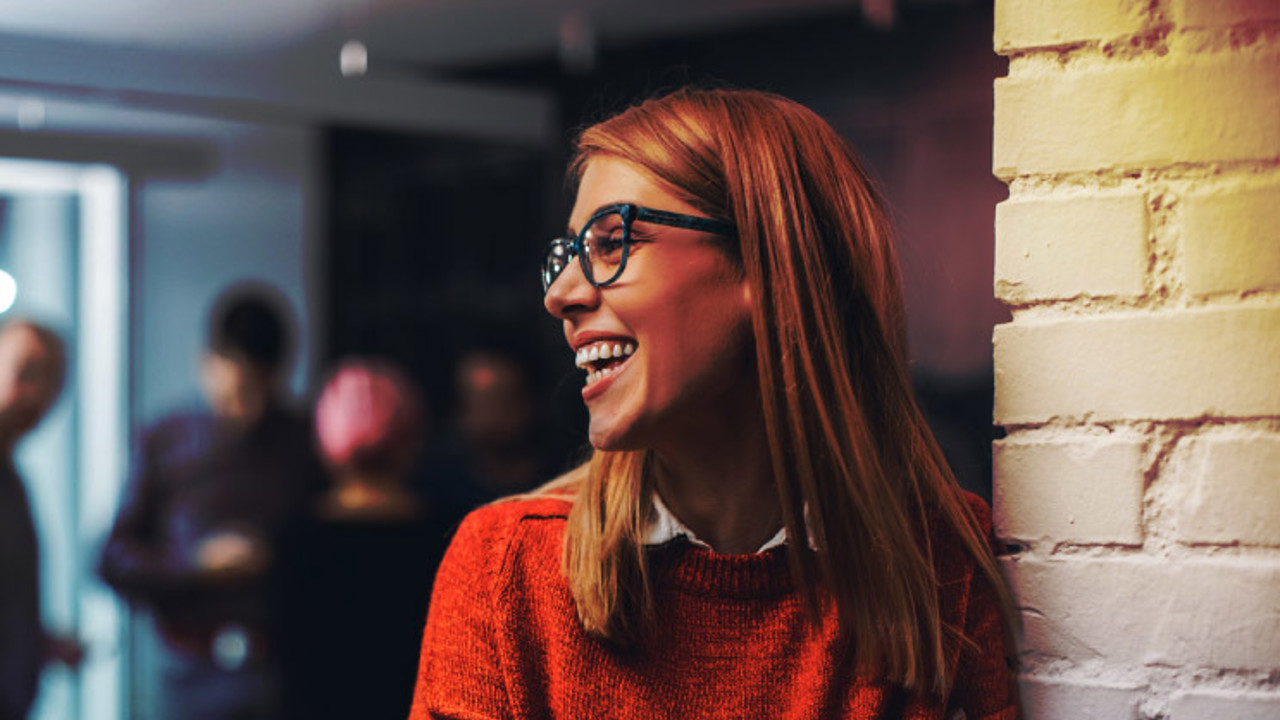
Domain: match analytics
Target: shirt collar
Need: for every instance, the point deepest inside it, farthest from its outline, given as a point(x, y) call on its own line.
point(666, 527)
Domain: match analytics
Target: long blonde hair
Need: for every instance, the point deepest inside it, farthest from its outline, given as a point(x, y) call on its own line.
point(856, 468)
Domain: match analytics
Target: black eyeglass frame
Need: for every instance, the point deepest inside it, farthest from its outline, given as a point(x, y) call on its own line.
point(629, 213)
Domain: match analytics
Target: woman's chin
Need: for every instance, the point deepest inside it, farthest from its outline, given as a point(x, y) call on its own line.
point(608, 439)
point(614, 434)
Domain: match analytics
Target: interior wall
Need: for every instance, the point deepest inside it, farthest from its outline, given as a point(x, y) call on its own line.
point(251, 216)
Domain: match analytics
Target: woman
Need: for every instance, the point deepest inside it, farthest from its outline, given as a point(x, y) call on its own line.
point(767, 527)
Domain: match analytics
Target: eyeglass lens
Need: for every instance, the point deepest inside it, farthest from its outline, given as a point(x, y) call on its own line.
point(559, 255)
point(603, 251)
point(604, 246)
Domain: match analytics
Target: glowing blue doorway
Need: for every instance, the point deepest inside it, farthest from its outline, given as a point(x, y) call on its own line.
point(63, 241)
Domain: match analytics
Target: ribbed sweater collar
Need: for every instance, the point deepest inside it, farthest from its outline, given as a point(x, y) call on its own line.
point(702, 571)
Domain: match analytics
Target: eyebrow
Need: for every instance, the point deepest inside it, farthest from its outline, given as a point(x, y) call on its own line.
point(616, 203)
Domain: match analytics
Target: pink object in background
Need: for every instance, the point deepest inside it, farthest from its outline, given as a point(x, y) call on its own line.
point(368, 417)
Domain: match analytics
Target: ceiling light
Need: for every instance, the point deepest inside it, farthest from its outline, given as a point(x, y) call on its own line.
point(353, 59)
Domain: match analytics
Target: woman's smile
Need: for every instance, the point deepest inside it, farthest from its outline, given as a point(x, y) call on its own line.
point(602, 360)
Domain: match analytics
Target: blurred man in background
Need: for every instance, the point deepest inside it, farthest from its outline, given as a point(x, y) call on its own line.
point(497, 448)
point(194, 538)
point(32, 367)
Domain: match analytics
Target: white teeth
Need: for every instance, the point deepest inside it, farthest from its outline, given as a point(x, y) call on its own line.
point(603, 351)
point(600, 374)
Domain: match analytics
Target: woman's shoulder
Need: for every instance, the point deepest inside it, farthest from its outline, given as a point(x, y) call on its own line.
point(498, 544)
point(513, 511)
point(953, 556)
point(964, 504)
point(980, 508)
point(547, 504)
point(494, 527)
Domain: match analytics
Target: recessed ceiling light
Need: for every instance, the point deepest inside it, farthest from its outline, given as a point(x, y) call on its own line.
point(353, 59)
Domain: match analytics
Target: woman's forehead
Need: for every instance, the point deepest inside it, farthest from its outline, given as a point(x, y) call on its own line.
point(609, 180)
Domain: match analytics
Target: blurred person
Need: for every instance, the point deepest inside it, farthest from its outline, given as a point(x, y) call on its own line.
point(370, 427)
point(356, 574)
point(193, 540)
point(33, 366)
point(497, 450)
point(767, 527)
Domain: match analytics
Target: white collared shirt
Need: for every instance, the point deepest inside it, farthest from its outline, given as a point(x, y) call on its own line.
point(667, 527)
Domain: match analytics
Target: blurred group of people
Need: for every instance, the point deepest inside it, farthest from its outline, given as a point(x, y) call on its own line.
point(286, 557)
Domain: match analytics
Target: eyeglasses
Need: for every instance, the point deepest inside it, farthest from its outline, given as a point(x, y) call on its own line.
point(603, 245)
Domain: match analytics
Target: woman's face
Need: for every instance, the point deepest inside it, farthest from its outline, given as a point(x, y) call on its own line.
point(680, 313)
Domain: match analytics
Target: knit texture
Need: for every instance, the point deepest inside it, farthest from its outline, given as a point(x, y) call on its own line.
point(731, 638)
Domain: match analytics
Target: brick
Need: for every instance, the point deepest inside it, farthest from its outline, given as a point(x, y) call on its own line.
point(1035, 23)
point(1206, 612)
point(1221, 13)
point(1141, 113)
point(1237, 706)
point(1231, 240)
point(1042, 698)
point(1052, 249)
point(1086, 491)
point(1177, 364)
point(1226, 489)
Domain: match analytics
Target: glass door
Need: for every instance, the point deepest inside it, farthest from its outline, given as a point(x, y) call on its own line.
point(64, 263)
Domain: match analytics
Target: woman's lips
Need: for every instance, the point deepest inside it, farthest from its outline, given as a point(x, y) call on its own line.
point(599, 381)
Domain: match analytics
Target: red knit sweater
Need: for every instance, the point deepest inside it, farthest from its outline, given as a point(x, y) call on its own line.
point(732, 639)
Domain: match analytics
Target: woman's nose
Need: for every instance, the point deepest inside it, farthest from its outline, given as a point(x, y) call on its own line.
point(571, 292)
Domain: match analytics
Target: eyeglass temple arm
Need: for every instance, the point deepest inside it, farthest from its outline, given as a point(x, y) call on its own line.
point(689, 222)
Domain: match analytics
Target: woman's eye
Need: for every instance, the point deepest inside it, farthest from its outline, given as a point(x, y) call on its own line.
point(608, 246)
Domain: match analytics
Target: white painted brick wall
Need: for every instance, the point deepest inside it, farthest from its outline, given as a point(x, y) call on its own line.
point(1035, 23)
point(1219, 13)
point(1139, 380)
point(1131, 114)
point(1136, 610)
point(1221, 706)
point(1070, 490)
point(1082, 245)
point(1226, 489)
point(1231, 238)
point(1079, 701)
point(1219, 361)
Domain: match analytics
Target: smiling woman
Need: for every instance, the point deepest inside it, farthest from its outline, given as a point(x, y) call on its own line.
point(766, 527)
